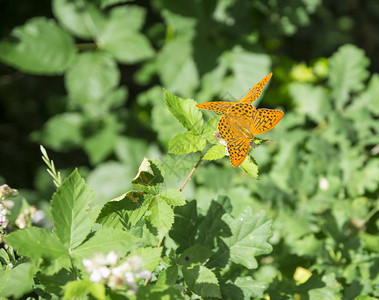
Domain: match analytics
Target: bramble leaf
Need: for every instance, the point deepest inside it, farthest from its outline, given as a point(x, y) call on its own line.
point(38, 47)
point(215, 152)
point(186, 142)
point(348, 71)
point(71, 210)
point(250, 233)
point(185, 111)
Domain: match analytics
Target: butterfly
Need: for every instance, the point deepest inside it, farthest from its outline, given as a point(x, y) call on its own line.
point(222, 106)
point(242, 121)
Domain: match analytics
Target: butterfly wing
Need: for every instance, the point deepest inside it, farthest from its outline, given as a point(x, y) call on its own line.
point(264, 119)
point(255, 92)
point(237, 144)
point(238, 150)
point(220, 107)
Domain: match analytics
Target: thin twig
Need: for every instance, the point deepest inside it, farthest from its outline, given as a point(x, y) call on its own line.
point(190, 174)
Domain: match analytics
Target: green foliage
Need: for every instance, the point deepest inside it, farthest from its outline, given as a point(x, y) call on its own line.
point(120, 85)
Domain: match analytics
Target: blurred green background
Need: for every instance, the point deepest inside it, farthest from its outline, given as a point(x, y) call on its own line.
point(85, 79)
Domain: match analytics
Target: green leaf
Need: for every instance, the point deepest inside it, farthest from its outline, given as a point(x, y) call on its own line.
point(202, 281)
point(78, 289)
point(101, 144)
point(161, 216)
point(250, 287)
point(155, 291)
point(196, 254)
point(151, 257)
point(38, 47)
point(250, 233)
point(82, 18)
point(168, 276)
point(310, 101)
point(187, 142)
point(124, 213)
point(347, 73)
point(106, 3)
point(61, 132)
point(149, 173)
point(37, 243)
point(186, 225)
point(210, 128)
point(121, 38)
point(91, 77)
point(215, 152)
point(73, 217)
point(244, 76)
point(109, 180)
point(185, 111)
point(177, 68)
point(104, 241)
point(17, 281)
point(250, 167)
point(173, 197)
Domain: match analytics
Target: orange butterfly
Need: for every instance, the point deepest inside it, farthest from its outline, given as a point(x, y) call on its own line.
point(242, 121)
point(222, 106)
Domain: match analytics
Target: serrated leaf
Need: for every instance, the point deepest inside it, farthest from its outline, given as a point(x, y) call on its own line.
point(121, 38)
point(168, 276)
point(150, 256)
point(155, 291)
point(215, 152)
point(149, 173)
point(250, 287)
point(250, 233)
point(202, 281)
point(173, 197)
point(104, 241)
point(186, 225)
point(123, 213)
point(185, 111)
point(81, 288)
point(81, 18)
point(187, 142)
point(37, 243)
point(72, 215)
point(250, 167)
point(210, 128)
point(17, 281)
point(161, 216)
point(38, 47)
point(91, 77)
point(196, 254)
point(347, 72)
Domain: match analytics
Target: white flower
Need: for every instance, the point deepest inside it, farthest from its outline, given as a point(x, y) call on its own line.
point(135, 262)
point(95, 276)
point(143, 274)
point(88, 264)
point(105, 272)
point(129, 278)
point(118, 271)
point(112, 258)
point(38, 216)
point(323, 184)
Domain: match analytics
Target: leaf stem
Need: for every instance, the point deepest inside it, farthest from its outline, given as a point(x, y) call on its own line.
point(190, 174)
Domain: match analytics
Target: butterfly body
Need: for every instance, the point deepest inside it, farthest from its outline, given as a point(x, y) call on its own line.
point(241, 121)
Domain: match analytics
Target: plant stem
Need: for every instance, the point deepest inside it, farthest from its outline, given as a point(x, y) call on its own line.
point(190, 174)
